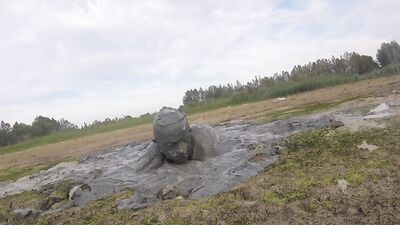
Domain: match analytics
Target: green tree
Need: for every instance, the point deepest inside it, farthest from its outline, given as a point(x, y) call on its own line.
point(43, 125)
point(6, 137)
point(389, 53)
point(66, 125)
point(21, 131)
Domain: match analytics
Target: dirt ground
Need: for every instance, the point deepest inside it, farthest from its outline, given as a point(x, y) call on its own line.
point(76, 148)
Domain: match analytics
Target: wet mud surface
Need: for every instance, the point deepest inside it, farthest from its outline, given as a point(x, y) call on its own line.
point(242, 150)
point(109, 172)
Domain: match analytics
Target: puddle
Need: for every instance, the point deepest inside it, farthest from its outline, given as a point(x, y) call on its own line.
point(359, 115)
point(378, 112)
point(380, 108)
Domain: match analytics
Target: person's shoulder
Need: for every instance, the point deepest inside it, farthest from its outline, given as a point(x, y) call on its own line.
point(204, 138)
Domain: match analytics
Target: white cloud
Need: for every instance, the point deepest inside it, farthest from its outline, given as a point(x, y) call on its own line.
point(90, 59)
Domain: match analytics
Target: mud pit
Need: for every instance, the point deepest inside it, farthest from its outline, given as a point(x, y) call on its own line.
point(243, 150)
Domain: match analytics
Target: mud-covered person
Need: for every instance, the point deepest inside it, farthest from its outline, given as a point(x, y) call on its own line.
point(176, 141)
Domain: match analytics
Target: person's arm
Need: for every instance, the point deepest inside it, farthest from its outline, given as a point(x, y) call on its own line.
point(204, 139)
point(151, 159)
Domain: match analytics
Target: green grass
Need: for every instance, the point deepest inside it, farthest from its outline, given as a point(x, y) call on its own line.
point(280, 90)
point(298, 111)
point(309, 85)
point(18, 172)
point(68, 135)
point(288, 88)
point(355, 178)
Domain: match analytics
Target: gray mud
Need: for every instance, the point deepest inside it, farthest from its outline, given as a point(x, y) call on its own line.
point(238, 156)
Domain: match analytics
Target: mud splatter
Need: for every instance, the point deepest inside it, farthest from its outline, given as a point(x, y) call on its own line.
point(366, 146)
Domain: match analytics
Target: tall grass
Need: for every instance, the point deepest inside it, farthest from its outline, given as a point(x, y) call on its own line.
point(288, 88)
point(279, 90)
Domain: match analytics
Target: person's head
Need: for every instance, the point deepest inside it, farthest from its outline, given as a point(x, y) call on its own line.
point(172, 135)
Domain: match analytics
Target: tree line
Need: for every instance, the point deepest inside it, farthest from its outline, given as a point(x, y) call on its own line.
point(346, 64)
point(42, 126)
point(349, 63)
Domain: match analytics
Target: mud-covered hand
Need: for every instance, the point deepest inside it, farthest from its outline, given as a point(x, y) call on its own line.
point(151, 159)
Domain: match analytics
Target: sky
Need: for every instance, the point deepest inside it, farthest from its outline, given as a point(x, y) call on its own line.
point(85, 60)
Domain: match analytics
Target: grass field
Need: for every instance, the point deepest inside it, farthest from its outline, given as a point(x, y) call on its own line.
point(290, 88)
point(302, 188)
point(74, 134)
point(75, 148)
point(280, 90)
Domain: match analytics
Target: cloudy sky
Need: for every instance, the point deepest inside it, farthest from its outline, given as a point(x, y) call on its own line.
point(90, 59)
